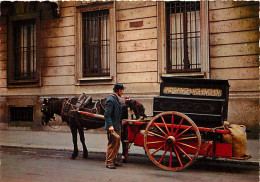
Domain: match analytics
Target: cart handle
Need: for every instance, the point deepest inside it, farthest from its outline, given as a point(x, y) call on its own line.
point(99, 116)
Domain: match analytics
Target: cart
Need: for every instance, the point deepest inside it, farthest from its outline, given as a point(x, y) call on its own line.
point(173, 141)
point(187, 123)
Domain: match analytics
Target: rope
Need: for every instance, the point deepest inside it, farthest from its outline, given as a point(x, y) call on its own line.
point(55, 127)
point(62, 112)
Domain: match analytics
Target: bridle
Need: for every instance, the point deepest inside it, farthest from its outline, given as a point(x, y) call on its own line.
point(53, 117)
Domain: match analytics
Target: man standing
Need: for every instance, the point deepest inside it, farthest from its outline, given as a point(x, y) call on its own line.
point(113, 111)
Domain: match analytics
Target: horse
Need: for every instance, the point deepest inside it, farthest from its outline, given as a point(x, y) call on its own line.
point(136, 107)
point(66, 109)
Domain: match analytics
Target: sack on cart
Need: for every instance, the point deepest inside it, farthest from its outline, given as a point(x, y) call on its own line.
point(238, 139)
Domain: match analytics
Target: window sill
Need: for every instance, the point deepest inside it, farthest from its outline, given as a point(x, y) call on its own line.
point(94, 79)
point(197, 75)
point(23, 83)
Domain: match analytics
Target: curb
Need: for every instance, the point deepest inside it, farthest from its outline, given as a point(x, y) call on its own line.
point(219, 160)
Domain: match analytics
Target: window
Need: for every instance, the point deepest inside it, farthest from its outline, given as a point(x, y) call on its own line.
point(24, 114)
point(96, 42)
point(183, 37)
point(96, 28)
point(24, 50)
point(23, 55)
point(21, 116)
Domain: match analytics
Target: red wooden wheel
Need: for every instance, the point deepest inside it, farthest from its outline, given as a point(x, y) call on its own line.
point(172, 141)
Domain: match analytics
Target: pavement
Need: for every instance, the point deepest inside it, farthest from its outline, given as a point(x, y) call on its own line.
point(96, 142)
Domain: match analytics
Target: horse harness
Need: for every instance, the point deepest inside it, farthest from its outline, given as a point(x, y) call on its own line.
point(67, 107)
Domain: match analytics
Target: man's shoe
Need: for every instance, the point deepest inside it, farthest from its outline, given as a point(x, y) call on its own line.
point(111, 166)
point(118, 165)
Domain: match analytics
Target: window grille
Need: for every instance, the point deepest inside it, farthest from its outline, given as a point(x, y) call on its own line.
point(21, 114)
point(96, 43)
point(183, 36)
point(24, 50)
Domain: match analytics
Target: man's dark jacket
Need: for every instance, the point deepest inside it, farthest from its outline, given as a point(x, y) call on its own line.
point(113, 112)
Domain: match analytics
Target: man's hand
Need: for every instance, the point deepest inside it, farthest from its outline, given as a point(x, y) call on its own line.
point(111, 129)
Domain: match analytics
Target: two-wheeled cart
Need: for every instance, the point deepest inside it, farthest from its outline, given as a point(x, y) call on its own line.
point(187, 122)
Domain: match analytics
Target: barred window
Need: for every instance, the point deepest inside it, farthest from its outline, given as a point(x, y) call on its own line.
point(24, 49)
point(183, 36)
point(96, 43)
point(24, 114)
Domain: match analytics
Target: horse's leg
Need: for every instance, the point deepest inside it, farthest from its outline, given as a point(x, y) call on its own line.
point(136, 113)
point(73, 129)
point(82, 139)
point(125, 144)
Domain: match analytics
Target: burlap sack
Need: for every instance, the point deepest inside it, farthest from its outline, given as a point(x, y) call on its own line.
point(238, 140)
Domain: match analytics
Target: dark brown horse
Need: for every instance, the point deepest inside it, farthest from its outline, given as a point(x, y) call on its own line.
point(136, 107)
point(77, 122)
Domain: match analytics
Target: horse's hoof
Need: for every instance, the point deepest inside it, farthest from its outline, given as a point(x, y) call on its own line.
point(73, 156)
point(85, 156)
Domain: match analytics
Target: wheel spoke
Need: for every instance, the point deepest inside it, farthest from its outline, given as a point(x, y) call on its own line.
point(187, 145)
point(155, 142)
point(178, 156)
point(187, 138)
point(158, 149)
point(178, 127)
point(172, 124)
point(155, 134)
point(172, 140)
point(160, 129)
point(183, 151)
point(183, 132)
point(165, 125)
point(163, 154)
point(170, 160)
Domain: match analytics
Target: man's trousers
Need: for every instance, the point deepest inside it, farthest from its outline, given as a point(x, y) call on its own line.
point(112, 148)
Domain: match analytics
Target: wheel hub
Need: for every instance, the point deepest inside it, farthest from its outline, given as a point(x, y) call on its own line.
point(171, 140)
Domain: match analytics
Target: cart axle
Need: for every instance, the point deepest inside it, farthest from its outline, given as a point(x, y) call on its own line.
point(171, 140)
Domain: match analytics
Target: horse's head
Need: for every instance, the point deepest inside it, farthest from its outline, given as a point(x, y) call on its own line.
point(140, 109)
point(137, 107)
point(47, 111)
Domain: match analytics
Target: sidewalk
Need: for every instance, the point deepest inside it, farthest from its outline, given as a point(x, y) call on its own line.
point(96, 142)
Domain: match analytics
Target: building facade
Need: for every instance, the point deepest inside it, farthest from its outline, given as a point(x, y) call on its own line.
point(61, 49)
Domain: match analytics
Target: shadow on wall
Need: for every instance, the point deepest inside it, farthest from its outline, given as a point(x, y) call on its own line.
point(245, 111)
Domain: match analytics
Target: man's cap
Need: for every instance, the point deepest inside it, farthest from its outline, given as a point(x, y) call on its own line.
point(118, 86)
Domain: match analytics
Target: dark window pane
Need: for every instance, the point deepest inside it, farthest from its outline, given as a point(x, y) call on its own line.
point(24, 50)
point(183, 36)
point(21, 114)
point(96, 43)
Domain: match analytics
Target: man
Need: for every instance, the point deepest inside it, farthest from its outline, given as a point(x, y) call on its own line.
point(113, 111)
